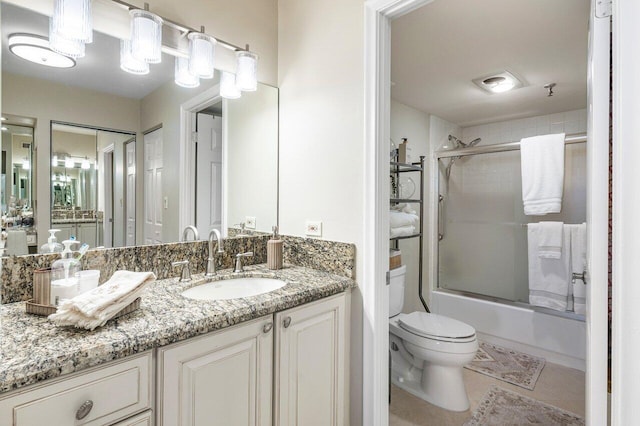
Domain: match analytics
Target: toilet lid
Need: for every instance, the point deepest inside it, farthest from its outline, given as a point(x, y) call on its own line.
point(432, 325)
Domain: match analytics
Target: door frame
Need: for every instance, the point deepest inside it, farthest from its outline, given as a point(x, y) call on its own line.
point(187, 195)
point(108, 152)
point(378, 15)
point(135, 189)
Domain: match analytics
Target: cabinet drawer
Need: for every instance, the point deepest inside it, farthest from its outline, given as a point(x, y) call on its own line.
point(144, 419)
point(114, 391)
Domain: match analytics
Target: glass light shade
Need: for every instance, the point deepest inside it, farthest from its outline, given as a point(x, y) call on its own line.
point(183, 77)
point(247, 71)
point(228, 88)
point(146, 36)
point(72, 20)
point(36, 49)
point(202, 49)
point(69, 163)
point(64, 46)
point(85, 165)
point(130, 64)
point(54, 161)
point(25, 164)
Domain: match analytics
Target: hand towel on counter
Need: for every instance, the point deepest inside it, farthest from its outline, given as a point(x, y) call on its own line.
point(94, 308)
point(578, 265)
point(403, 231)
point(542, 165)
point(550, 237)
point(398, 219)
point(548, 278)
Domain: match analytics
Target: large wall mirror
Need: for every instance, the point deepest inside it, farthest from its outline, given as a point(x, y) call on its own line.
point(117, 159)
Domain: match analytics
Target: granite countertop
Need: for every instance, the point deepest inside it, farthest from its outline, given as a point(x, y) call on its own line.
point(33, 349)
point(78, 220)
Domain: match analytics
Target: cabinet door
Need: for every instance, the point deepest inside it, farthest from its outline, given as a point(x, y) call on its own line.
point(222, 378)
point(66, 231)
point(310, 364)
point(87, 234)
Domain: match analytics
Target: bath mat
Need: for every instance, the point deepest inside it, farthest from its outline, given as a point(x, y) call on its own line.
point(507, 365)
point(502, 407)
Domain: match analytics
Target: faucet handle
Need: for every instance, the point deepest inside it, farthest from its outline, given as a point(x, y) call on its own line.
point(247, 254)
point(186, 270)
point(239, 266)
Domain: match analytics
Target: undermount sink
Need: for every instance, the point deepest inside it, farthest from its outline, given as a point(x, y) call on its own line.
point(233, 288)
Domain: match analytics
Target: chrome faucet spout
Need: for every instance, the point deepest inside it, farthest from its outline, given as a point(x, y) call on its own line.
point(211, 261)
point(193, 229)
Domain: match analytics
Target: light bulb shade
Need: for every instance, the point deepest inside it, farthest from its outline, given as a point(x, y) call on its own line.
point(25, 164)
point(130, 64)
point(183, 77)
point(85, 165)
point(202, 50)
point(247, 71)
point(72, 20)
point(228, 88)
point(146, 36)
point(54, 161)
point(69, 163)
point(64, 46)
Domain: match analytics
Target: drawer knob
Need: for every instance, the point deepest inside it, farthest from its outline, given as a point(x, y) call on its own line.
point(84, 410)
point(267, 327)
point(287, 322)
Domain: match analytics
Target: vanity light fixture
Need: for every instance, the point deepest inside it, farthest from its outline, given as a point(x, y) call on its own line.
point(85, 165)
point(498, 83)
point(54, 161)
point(183, 76)
point(69, 163)
point(202, 50)
point(36, 49)
point(3, 118)
point(25, 164)
point(228, 88)
point(4, 129)
point(72, 20)
point(247, 69)
point(130, 64)
point(65, 46)
point(146, 35)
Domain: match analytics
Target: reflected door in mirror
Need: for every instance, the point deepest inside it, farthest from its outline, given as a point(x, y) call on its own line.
point(153, 199)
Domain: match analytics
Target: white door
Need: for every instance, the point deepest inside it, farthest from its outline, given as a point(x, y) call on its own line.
point(108, 197)
point(209, 174)
point(130, 192)
point(153, 187)
point(223, 378)
point(310, 364)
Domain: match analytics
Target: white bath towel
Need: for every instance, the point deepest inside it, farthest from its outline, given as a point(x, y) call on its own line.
point(578, 264)
point(542, 164)
point(398, 219)
point(94, 308)
point(550, 240)
point(403, 231)
point(548, 278)
point(403, 207)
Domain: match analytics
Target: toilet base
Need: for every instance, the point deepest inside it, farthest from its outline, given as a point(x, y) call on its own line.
point(445, 387)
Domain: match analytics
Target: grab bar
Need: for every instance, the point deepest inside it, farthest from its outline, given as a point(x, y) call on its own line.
point(440, 217)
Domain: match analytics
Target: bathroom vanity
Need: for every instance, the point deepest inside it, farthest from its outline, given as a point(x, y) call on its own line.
point(276, 358)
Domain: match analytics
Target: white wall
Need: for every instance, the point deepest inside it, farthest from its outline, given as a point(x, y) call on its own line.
point(320, 75)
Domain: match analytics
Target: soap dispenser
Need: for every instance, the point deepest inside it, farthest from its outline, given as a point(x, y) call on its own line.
point(52, 245)
point(274, 250)
point(64, 271)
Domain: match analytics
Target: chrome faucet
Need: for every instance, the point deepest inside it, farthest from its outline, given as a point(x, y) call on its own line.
point(186, 271)
point(193, 229)
point(239, 266)
point(211, 261)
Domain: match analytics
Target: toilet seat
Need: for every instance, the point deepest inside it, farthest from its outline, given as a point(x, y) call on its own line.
point(437, 327)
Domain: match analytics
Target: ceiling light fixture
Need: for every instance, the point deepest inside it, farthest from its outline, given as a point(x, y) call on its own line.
point(3, 118)
point(228, 88)
point(85, 165)
point(130, 64)
point(4, 129)
point(498, 83)
point(72, 20)
point(202, 49)
point(69, 163)
point(146, 35)
point(247, 70)
point(183, 76)
point(36, 49)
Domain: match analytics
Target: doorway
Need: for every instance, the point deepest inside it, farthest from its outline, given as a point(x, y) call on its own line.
point(154, 201)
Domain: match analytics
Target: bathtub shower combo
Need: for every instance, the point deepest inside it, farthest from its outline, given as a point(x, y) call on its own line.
point(480, 254)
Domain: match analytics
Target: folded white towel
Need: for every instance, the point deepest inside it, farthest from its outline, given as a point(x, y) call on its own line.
point(548, 278)
point(542, 164)
point(403, 231)
point(550, 240)
point(403, 207)
point(398, 219)
point(578, 264)
point(94, 308)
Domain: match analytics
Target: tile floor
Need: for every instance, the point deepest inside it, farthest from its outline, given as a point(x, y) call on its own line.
point(557, 385)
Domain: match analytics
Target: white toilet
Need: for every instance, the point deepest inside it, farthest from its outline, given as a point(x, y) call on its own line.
point(428, 351)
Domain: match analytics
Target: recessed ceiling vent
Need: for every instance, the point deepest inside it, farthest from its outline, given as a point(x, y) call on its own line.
point(498, 83)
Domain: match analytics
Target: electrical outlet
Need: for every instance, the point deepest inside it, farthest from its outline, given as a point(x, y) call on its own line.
point(314, 228)
point(250, 222)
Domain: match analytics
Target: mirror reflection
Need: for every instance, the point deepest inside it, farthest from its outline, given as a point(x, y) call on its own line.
point(119, 159)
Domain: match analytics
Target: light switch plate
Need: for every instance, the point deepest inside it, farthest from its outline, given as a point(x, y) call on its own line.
point(250, 222)
point(314, 228)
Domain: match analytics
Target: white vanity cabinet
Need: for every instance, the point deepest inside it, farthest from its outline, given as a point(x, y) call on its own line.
point(102, 395)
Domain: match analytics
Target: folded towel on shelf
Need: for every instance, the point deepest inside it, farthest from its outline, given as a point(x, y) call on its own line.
point(403, 231)
point(403, 207)
point(578, 264)
point(542, 165)
point(94, 308)
point(398, 219)
point(550, 239)
point(548, 278)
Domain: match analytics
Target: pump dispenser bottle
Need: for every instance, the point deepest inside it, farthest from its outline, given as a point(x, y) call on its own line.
point(52, 245)
point(64, 275)
point(274, 250)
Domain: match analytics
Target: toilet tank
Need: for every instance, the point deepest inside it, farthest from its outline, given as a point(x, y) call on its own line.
point(396, 290)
